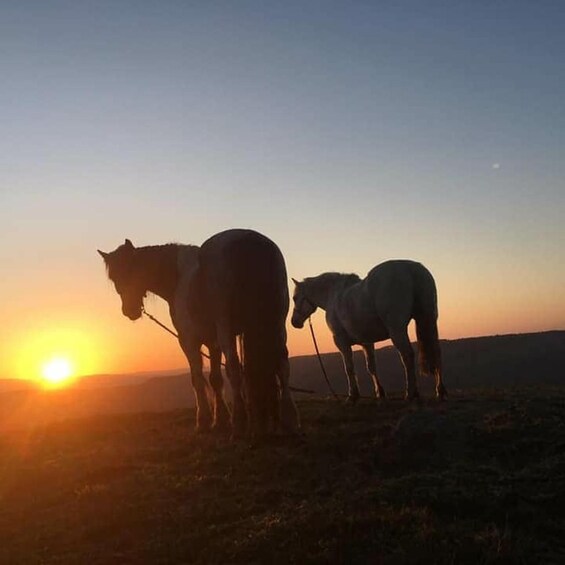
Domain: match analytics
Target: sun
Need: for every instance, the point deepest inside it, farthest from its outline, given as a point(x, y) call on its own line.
point(57, 371)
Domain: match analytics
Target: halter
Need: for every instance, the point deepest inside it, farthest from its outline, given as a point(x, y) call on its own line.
point(310, 303)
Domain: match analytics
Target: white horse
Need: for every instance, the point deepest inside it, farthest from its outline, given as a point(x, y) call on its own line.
point(376, 308)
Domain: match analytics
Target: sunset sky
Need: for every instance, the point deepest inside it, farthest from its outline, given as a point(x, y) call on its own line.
point(348, 132)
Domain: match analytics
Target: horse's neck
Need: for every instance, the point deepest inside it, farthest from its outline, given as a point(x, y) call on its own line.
point(321, 295)
point(161, 270)
point(328, 292)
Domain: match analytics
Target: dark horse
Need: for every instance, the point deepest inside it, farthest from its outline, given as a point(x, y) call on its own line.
point(234, 284)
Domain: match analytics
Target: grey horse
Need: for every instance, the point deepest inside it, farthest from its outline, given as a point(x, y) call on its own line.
point(376, 308)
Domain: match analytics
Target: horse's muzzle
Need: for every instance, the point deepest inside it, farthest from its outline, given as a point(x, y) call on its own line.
point(132, 314)
point(297, 322)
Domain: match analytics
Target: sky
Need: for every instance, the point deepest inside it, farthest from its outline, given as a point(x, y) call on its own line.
point(348, 132)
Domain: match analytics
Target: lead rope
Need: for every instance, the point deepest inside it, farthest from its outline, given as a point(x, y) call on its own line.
point(320, 359)
point(153, 319)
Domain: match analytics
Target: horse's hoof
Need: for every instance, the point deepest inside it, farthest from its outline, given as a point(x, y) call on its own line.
point(441, 393)
point(296, 438)
point(260, 440)
point(413, 398)
point(352, 398)
point(221, 428)
point(239, 430)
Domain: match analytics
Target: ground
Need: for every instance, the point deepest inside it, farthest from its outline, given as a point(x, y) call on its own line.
point(479, 479)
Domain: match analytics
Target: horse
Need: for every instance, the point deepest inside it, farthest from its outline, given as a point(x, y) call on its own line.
point(378, 307)
point(234, 284)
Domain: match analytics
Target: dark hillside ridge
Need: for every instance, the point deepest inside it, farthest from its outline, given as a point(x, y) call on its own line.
point(493, 361)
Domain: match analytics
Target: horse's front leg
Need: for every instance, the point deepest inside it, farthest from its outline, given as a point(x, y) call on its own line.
point(347, 356)
point(221, 413)
point(191, 349)
point(369, 350)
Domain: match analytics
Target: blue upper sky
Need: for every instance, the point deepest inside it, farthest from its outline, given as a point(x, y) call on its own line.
point(348, 131)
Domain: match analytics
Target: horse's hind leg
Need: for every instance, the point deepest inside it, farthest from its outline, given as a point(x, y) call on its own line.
point(233, 369)
point(441, 391)
point(401, 341)
point(221, 413)
point(347, 356)
point(369, 350)
point(289, 414)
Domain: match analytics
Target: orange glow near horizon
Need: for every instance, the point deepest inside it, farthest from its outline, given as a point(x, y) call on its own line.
point(55, 357)
point(105, 342)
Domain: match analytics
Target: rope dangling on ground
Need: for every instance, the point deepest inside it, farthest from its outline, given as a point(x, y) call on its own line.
point(320, 359)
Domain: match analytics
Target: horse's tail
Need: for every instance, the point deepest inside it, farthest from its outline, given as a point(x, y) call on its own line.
point(429, 352)
point(425, 315)
point(262, 355)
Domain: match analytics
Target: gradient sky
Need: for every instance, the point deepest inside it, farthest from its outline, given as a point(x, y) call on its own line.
point(348, 132)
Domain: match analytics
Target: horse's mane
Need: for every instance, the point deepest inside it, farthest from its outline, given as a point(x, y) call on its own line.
point(164, 247)
point(332, 278)
point(167, 251)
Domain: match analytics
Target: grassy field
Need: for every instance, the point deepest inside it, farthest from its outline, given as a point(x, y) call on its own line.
point(480, 479)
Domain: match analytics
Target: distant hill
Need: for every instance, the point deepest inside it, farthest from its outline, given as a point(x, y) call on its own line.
point(35, 406)
point(495, 361)
point(92, 381)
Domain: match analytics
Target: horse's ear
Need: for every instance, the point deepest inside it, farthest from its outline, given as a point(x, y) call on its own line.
point(103, 254)
point(128, 243)
point(295, 281)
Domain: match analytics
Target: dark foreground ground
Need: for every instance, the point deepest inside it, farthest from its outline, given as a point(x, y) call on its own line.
point(478, 480)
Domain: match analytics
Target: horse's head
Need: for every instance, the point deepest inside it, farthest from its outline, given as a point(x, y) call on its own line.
point(303, 306)
point(123, 272)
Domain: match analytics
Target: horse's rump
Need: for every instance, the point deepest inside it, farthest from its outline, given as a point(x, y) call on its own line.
point(245, 275)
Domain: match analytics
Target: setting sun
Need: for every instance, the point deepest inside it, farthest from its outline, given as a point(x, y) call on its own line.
point(54, 354)
point(57, 371)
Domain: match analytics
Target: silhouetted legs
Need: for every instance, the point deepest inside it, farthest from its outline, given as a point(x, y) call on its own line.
point(347, 356)
point(221, 413)
point(399, 337)
point(233, 369)
point(441, 391)
point(289, 414)
point(203, 415)
point(369, 350)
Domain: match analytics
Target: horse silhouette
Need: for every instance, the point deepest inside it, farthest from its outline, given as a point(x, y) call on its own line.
point(234, 284)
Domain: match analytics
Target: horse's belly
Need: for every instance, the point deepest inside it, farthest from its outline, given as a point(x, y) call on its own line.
point(370, 331)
